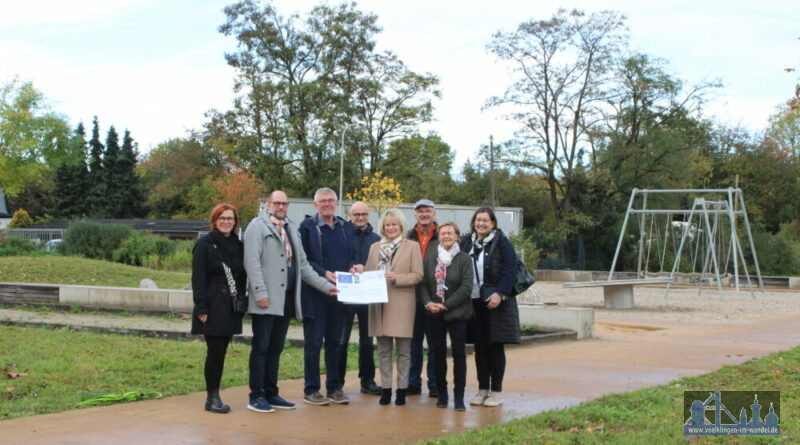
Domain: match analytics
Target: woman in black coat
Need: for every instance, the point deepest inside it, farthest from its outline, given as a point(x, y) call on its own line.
point(496, 319)
point(445, 293)
point(213, 314)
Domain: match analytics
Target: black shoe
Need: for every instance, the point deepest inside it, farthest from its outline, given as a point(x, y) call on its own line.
point(214, 403)
point(400, 398)
point(386, 396)
point(433, 391)
point(441, 401)
point(370, 388)
point(458, 400)
point(413, 390)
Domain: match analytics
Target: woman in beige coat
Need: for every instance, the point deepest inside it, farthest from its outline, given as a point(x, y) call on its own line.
point(393, 322)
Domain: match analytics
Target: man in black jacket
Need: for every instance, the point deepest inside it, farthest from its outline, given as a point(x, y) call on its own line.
point(361, 238)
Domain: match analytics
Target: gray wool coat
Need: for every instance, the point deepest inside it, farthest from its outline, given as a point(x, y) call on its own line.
point(265, 263)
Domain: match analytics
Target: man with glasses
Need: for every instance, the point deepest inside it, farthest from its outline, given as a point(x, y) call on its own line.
point(361, 238)
point(275, 263)
point(327, 246)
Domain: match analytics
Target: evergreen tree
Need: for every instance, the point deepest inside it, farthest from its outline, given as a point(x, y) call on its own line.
point(72, 180)
point(95, 199)
point(112, 176)
point(129, 190)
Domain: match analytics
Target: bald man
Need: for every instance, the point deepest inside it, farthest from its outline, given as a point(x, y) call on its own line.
point(361, 238)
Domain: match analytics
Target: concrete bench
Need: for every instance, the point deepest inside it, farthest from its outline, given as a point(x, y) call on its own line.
point(618, 294)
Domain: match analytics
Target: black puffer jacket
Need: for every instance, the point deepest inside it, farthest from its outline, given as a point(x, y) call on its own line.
point(210, 286)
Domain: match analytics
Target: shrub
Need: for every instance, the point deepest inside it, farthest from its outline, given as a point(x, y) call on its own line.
point(524, 243)
point(775, 255)
point(139, 248)
point(93, 240)
point(20, 219)
point(11, 246)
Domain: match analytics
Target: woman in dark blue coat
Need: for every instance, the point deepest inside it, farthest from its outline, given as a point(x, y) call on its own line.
point(496, 321)
point(213, 314)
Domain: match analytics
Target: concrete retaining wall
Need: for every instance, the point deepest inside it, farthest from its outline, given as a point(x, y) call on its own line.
point(166, 300)
point(578, 319)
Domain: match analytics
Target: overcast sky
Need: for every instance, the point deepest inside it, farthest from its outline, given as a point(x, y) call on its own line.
point(155, 67)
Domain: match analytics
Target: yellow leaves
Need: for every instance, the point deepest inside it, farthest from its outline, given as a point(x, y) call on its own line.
point(378, 191)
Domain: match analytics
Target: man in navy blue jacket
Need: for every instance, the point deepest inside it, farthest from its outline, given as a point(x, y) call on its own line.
point(361, 238)
point(327, 247)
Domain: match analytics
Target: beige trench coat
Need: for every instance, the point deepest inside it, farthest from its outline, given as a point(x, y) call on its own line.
point(396, 318)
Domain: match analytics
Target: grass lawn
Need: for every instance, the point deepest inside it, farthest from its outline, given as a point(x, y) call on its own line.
point(654, 415)
point(56, 269)
point(66, 367)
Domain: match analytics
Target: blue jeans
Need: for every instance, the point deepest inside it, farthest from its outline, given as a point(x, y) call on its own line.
point(420, 331)
point(328, 325)
point(366, 359)
point(269, 336)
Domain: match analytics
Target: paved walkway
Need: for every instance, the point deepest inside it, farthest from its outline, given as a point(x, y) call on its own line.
point(628, 354)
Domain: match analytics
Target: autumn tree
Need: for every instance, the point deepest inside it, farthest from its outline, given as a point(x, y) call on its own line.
point(562, 68)
point(174, 177)
point(242, 190)
point(32, 137)
point(420, 166)
point(378, 191)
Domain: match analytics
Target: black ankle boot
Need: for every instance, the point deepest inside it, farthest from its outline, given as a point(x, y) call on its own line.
point(386, 396)
point(458, 399)
point(214, 403)
point(441, 401)
point(400, 398)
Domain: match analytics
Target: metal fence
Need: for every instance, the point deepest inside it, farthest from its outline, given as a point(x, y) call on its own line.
point(42, 235)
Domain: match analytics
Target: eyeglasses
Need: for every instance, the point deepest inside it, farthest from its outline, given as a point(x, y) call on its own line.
point(226, 218)
point(326, 201)
point(360, 215)
point(279, 203)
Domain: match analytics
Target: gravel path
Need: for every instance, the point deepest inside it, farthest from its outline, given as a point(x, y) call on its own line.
point(682, 304)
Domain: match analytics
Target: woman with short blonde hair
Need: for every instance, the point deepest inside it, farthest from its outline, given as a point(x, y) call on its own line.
point(393, 322)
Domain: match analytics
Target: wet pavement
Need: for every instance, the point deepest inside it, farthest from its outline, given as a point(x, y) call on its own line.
point(627, 354)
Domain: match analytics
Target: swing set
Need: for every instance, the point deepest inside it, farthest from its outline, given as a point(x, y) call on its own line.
point(702, 242)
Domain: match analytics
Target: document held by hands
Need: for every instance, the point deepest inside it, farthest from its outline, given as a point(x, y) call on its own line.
point(362, 288)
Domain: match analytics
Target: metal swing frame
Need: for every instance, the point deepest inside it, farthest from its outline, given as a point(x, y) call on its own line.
point(702, 208)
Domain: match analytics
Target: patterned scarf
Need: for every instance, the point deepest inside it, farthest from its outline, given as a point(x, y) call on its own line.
point(279, 223)
point(442, 262)
point(387, 252)
point(478, 244)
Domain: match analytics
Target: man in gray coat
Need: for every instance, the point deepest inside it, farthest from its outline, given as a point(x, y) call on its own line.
point(275, 263)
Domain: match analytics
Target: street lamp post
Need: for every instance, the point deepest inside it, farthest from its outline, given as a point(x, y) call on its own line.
point(341, 171)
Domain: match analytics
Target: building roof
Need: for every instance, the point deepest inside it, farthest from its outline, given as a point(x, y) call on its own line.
point(152, 225)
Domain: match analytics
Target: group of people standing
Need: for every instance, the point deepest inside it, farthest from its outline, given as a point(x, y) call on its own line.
point(438, 283)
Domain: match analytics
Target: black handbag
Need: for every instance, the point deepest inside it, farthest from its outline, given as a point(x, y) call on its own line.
point(239, 301)
point(523, 279)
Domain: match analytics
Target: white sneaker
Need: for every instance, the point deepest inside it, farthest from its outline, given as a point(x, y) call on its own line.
point(479, 398)
point(493, 399)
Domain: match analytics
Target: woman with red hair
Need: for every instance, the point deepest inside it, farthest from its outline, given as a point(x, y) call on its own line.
point(216, 257)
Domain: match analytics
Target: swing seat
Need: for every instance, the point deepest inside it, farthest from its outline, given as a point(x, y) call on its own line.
point(618, 294)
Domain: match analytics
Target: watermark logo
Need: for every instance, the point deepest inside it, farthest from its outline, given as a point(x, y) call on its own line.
point(706, 414)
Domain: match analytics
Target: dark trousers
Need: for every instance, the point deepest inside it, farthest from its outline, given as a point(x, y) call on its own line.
point(420, 331)
point(269, 336)
point(366, 359)
point(216, 347)
point(490, 358)
point(328, 325)
point(438, 329)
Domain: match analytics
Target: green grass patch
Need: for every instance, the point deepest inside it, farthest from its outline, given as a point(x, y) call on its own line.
point(73, 270)
point(65, 367)
point(653, 415)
